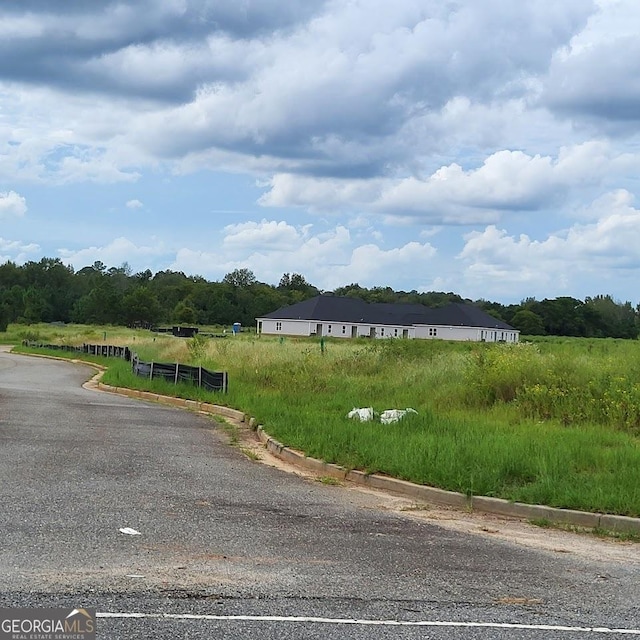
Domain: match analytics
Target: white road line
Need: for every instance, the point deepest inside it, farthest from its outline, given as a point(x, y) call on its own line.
point(383, 623)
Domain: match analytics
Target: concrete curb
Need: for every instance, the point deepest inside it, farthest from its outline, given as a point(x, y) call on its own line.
point(432, 495)
point(194, 405)
point(496, 506)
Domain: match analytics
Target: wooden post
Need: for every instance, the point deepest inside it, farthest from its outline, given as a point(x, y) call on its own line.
point(200, 376)
point(175, 381)
point(151, 372)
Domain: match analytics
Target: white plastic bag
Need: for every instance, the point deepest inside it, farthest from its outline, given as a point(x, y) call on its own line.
point(393, 415)
point(364, 415)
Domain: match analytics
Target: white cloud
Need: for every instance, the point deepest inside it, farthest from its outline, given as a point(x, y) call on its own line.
point(267, 236)
point(17, 251)
point(320, 194)
point(115, 252)
point(506, 181)
point(83, 164)
point(370, 265)
point(607, 250)
point(346, 87)
point(12, 204)
point(134, 204)
point(250, 245)
point(592, 77)
point(357, 73)
point(52, 137)
point(327, 259)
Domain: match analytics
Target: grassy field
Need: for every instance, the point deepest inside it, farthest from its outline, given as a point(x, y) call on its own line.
point(554, 421)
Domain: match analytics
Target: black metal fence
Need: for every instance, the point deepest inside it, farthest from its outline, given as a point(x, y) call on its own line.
point(105, 350)
point(210, 380)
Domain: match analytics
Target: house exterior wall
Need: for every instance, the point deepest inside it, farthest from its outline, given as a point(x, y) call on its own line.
point(430, 332)
point(286, 327)
point(497, 335)
point(474, 334)
point(310, 328)
point(349, 330)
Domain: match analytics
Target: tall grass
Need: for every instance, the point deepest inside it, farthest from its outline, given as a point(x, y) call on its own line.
point(552, 422)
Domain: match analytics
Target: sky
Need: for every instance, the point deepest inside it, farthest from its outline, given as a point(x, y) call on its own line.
point(486, 147)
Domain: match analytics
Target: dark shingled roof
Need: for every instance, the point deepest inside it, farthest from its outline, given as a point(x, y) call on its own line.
point(342, 309)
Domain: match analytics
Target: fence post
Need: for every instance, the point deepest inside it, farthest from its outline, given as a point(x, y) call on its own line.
point(175, 381)
point(200, 376)
point(151, 371)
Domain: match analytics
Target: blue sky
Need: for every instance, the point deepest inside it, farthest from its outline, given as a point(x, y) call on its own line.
point(485, 147)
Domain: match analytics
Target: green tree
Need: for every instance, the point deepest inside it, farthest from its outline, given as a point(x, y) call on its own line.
point(528, 323)
point(36, 307)
point(102, 305)
point(240, 278)
point(53, 281)
point(562, 316)
point(610, 318)
point(140, 307)
point(143, 276)
point(10, 275)
point(121, 277)
point(494, 309)
point(4, 319)
point(170, 288)
point(185, 313)
point(353, 290)
point(296, 288)
point(12, 299)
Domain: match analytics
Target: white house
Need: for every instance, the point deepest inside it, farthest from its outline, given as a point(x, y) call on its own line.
point(342, 317)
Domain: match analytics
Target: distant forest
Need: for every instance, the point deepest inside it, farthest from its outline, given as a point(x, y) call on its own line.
point(49, 291)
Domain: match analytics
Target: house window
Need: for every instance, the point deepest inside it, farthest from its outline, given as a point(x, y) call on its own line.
point(433, 332)
point(278, 326)
point(382, 331)
point(329, 329)
point(344, 330)
point(395, 333)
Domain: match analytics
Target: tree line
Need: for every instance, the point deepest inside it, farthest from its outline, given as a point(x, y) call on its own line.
point(50, 291)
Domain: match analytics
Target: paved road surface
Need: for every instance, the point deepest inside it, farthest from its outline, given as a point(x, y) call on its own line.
point(230, 548)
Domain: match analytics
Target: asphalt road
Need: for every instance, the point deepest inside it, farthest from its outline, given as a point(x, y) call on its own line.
point(231, 548)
